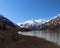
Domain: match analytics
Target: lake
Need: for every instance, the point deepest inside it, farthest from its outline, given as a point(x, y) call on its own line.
point(48, 35)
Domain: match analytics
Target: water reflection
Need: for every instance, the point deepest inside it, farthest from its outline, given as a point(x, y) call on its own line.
point(48, 35)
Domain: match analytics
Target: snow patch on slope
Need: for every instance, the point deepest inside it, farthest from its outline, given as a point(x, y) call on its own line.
point(30, 23)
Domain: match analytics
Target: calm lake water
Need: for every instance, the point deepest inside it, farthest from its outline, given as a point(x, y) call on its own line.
point(48, 35)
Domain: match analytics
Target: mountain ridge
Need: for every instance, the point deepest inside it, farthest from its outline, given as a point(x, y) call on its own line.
point(39, 24)
point(6, 24)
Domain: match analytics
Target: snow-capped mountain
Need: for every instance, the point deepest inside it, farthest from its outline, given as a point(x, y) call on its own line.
point(31, 23)
point(41, 23)
point(55, 20)
point(52, 24)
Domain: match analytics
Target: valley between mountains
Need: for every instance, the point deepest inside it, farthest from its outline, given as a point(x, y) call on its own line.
point(9, 37)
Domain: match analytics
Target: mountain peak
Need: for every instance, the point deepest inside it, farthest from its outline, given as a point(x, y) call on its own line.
point(31, 23)
point(35, 23)
point(58, 15)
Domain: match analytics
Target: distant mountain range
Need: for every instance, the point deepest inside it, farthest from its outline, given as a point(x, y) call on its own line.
point(42, 24)
point(52, 24)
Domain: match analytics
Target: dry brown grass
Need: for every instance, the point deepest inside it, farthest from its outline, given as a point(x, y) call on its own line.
point(13, 40)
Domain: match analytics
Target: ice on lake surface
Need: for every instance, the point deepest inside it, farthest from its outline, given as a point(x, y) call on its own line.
point(49, 35)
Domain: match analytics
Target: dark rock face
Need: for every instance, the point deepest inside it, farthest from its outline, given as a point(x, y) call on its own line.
point(6, 24)
point(6, 21)
point(53, 24)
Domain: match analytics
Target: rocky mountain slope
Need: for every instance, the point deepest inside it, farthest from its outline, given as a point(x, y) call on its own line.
point(52, 24)
point(31, 24)
point(6, 24)
point(42, 24)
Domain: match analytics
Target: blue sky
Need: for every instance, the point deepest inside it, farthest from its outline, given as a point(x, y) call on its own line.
point(22, 10)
